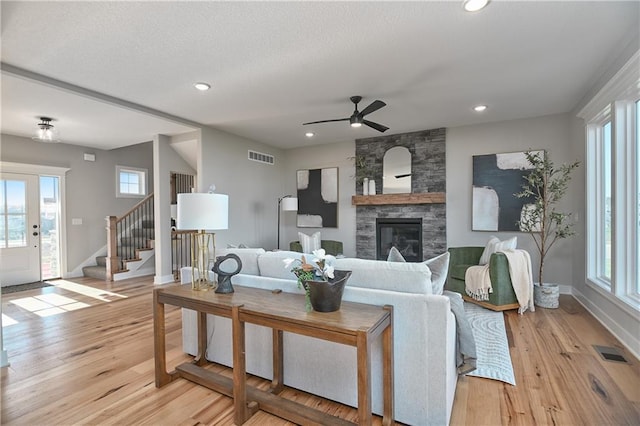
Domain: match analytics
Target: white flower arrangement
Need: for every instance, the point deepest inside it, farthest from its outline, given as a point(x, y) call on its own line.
point(319, 268)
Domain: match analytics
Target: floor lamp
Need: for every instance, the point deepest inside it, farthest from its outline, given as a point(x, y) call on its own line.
point(201, 213)
point(287, 203)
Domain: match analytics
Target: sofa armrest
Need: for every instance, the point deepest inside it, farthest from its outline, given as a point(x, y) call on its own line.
point(499, 271)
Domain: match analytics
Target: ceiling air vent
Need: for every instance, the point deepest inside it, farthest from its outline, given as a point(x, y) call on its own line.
point(261, 158)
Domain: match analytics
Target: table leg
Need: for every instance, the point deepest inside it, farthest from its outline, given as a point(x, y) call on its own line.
point(239, 368)
point(159, 345)
point(277, 384)
point(364, 377)
point(200, 358)
point(387, 371)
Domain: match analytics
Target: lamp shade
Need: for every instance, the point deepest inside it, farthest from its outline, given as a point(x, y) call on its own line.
point(203, 211)
point(290, 204)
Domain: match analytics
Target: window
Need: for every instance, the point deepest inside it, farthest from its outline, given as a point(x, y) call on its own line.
point(613, 187)
point(131, 182)
point(605, 240)
point(13, 216)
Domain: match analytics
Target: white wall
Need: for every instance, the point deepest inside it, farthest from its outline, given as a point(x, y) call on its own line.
point(551, 133)
point(319, 157)
point(253, 187)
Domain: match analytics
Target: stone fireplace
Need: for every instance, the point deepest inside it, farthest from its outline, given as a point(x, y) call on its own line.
point(425, 203)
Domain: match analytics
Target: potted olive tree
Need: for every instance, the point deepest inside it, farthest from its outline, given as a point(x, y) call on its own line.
point(545, 185)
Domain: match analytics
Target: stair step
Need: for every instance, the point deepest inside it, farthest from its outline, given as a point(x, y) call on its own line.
point(142, 233)
point(98, 272)
point(134, 242)
point(101, 261)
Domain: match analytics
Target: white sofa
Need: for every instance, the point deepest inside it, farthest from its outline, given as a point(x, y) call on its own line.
point(424, 337)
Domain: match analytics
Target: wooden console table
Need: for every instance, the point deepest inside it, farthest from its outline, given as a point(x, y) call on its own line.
point(354, 324)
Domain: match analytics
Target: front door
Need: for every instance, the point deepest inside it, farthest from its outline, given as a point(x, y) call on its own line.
point(19, 229)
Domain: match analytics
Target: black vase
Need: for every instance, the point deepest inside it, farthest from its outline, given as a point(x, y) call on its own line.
point(326, 296)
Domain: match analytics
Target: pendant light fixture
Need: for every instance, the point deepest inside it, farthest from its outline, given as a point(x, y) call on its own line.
point(46, 131)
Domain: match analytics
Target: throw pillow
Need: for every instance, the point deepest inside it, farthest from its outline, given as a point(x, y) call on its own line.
point(395, 255)
point(509, 244)
point(494, 245)
point(439, 266)
point(309, 243)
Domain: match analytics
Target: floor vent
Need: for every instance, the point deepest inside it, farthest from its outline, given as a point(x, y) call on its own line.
point(609, 353)
point(261, 157)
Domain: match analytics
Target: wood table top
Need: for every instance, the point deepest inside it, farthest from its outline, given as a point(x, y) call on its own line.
point(350, 318)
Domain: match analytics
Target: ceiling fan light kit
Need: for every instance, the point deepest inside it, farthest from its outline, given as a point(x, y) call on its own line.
point(46, 131)
point(357, 118)
point(474, 5)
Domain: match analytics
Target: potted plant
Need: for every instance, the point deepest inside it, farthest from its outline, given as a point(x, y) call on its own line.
point(322, 284)
point(545, 185)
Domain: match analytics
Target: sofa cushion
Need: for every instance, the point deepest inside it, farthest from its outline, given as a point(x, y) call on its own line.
point(439, 267)
point(383, 275)
point(248, 257)
point(272, 264)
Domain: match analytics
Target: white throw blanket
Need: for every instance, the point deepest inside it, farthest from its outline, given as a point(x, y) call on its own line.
point(478, 281)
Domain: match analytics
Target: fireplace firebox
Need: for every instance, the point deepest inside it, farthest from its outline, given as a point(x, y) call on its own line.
point(403, 234)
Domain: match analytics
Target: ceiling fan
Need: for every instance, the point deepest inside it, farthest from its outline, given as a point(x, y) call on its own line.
point(357, 118)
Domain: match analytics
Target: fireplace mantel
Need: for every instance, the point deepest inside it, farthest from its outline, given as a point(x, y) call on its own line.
point(399, 199)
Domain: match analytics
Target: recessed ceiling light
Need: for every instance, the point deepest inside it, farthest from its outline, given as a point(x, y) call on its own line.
point(480, 108)
point(202, 86)
point(474, 5)
point(309, 134)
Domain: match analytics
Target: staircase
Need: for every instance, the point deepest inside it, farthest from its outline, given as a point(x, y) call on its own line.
point(130, 244)
point(134, 249)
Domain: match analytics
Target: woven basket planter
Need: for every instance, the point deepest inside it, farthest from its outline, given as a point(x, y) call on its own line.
point(546, 296)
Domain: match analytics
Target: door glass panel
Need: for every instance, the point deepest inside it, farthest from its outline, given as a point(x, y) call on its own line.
point(14, 213)
point(49, 227)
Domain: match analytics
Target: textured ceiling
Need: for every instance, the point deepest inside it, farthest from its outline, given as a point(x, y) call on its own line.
point(274, 66)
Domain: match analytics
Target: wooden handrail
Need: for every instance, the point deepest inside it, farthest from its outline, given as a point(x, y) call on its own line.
point(119, 228)
point(134, 208)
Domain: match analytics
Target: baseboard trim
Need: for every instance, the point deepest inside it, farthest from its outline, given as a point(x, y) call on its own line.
point(565, 289)
point(628, 340)
point(164, 279)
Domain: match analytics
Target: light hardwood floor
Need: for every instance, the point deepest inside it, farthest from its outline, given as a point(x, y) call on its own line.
point(95, 366)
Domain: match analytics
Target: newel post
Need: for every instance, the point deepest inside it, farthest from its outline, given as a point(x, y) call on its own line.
point(112, 248)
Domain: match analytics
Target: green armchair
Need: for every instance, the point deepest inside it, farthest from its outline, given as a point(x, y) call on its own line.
point(502, 298)
point(330, 246)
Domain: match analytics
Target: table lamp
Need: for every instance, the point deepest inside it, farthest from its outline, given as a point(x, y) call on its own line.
point(202, 212)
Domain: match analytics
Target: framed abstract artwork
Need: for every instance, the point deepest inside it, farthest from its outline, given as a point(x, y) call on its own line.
point(317, 198)
point(496, 178)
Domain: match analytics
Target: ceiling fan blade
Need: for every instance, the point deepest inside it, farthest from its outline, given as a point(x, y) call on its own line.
point(326, 121)
point(378, 127)
point(403, 176)
point(373, 106)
